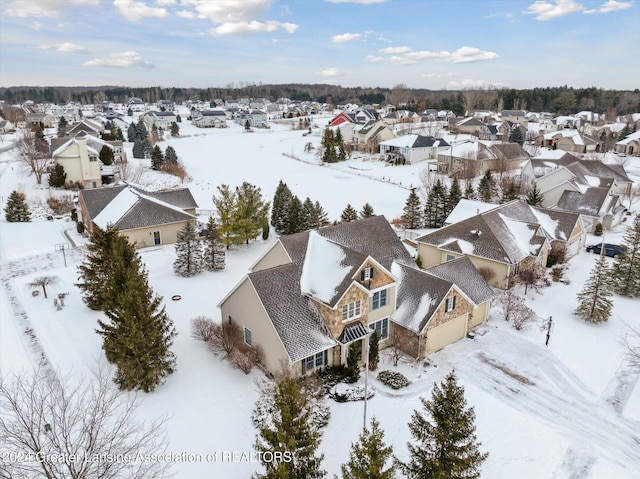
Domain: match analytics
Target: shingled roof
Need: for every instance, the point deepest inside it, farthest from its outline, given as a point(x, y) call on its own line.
point(464, 274)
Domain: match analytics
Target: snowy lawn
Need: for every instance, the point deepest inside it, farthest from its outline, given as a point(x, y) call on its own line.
point(570, 409)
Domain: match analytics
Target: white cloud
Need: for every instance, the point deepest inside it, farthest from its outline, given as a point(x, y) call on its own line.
point(439, 75)
point(66, 48)
point(186, 14)
point(394, 50)
point(402, 60)
point(129, 59)
point(470, 83)
point(166, 2)
point(461, 55)
point(614, 6)
point(374, 59)
point(228, 11)
point(134, 11)
point(548, 10)
point(330, 72)
point(421, 55)
point(466, 55)
point(43, 8)
point(248, 28)
point(346, 37)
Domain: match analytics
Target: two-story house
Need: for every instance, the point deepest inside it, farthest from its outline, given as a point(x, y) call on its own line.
point(314, 295)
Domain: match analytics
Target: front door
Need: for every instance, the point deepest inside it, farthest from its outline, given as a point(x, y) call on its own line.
point(156, 237)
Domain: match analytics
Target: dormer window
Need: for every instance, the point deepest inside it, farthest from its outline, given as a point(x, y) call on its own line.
point(366, 274)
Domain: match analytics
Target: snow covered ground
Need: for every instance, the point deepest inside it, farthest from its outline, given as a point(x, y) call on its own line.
point(567, 410)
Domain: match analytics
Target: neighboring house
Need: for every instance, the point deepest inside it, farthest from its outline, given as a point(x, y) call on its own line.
point(136, 105)
point(401, 116)
point(209, 118)
point(466, 209)
point(629, 145)
point(6, 126)
point(85, 127)
point(569, 140)
point(166, 105)
point(47, 119)
point(504, 240)
point(472, 126)
point(119, 155)
point(81, 162)
point(515, 116)
point(508, 156)
point(161, 119)
point(313, 295)
point(476, 158)
point(412, 148)
point(366, 136)
point(256, 118)
point(145, 218)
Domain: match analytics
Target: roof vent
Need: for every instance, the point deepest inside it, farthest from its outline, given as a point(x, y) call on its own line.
point(476, 232)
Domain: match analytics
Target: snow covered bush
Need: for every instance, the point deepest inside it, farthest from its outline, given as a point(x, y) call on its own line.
point(342, 392)
point(393, 379)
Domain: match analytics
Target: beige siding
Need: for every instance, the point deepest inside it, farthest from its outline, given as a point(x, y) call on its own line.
point(479, 315)
point(77, 164)
point(143, 237)
point(275, 256)
point(447, 333)
point(246, 310)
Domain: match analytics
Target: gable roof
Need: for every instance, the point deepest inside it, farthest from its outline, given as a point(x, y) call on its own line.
point(588, 203)
point(126, 207)
point(415, 141)
point(509, 151)
point(464, 274)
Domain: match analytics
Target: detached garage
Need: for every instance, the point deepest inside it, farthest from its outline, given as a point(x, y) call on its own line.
point(440, 336)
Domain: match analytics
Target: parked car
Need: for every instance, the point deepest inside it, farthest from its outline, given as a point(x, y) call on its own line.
point(611, 250)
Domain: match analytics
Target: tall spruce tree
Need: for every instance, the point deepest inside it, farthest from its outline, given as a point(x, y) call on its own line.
point(444, 438)
point(412, 212)
point(100, 278)
point(138, 333)
point(516, 136)
point(509, 192)
point(293, 216)
point(349, 214)
point(534, 197)
point(226, 204)
point(157, 158)
point(454, 196)
point(251, 213)
point(329, 155)
point(175, 129)
point(319, 217)
point(57, 177)
point(487, 187)
point(289, 422)
point(306, 214)
point(189, 256)
point(214, 255)
point(594, 301)
point(626, 267)
point(339, 144)
point(279, 206)
point(369, 456)
point(435, 208)
point(132, 132)
point(16, 209)
point(367, 211)
point(170, 154)
point(106, 155)
point(139, 148)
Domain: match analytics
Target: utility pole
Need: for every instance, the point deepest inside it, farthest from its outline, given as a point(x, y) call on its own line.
point(63, 247)
point(366, 382)
point(549, 324)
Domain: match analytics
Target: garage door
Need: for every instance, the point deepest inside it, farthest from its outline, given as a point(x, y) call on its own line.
point(447, 333)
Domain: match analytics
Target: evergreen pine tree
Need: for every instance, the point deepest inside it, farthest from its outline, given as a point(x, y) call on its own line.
point(444, 441)
point(369, 456)
point(290, 424)
point(516, 136)
point(626, 267)
point(349, 214)
point(470, 192)
point(189, 257)
point(339, 144)
point(132, 132)
point(57, 177)
point(487, 187)
point(353, 368)
point(374, 346)
point(214, 255)
point(139, 148)
point(226, 205)
point(141, 130)
point(453, 198)
point(99, 279)
point(594, 301)
point(62, 127)
point(534, 197)
point(175, 129)
point(178, 119)
point(293, 217)
point(509, 192)
point(280, 206)
point(412, 212)
point(170, 154)
point(157, 157)
point(119, 135)
point(329, 154)
point(306, 214)
point(252, 212)
point(435, 208)
point(16, 209)
point(367, 211)
point(138, 333)
point(106, 155)
point(319, 217)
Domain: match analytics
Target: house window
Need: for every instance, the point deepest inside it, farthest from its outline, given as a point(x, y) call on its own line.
point(247, 336)
point(366, 274)
point(379, 299)
point(382, 327)
point(351, 310)
point(450, 257)
point(229, 318)
point(450, 304)
point(516, 269)
point(315, 361)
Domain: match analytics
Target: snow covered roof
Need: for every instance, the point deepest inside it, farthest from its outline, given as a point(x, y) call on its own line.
point(466, 209)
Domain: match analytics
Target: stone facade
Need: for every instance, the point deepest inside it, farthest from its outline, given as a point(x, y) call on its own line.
point(440, 316)
point(333, 316)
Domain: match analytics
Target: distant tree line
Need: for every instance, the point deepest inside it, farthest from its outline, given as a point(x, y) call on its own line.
point(559, 99)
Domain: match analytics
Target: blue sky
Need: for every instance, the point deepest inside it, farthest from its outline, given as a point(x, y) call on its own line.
point(420, 43)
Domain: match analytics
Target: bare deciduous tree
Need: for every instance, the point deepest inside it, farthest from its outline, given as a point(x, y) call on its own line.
point(631, 343)
point(32, 156)
point(75, 429)
point(129, 172)
point(43, 282)
point(470, 99)
point(513, 308)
